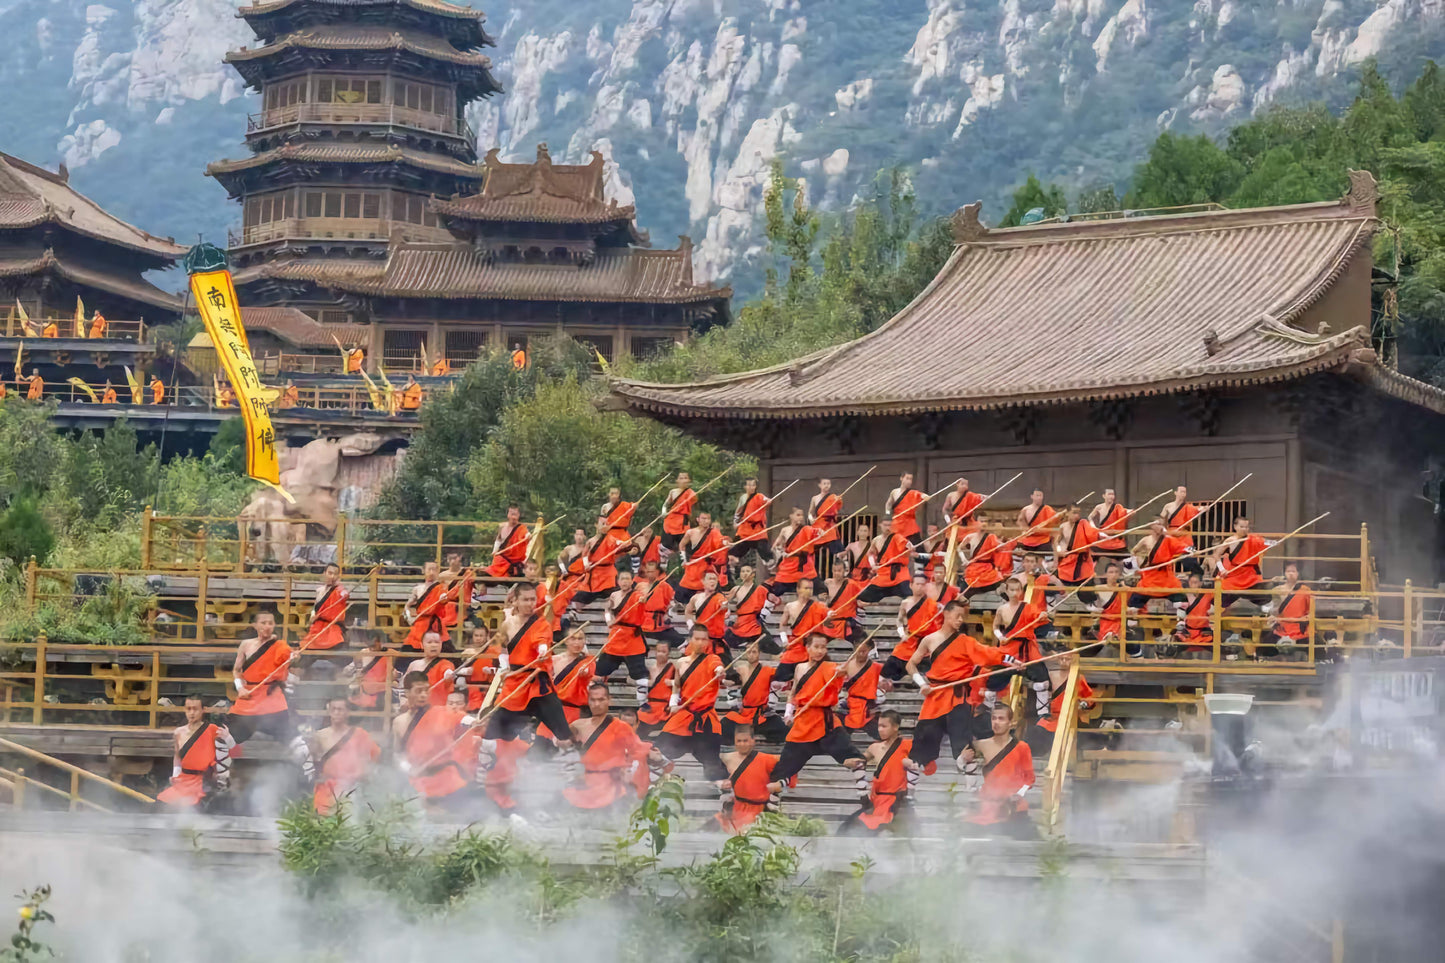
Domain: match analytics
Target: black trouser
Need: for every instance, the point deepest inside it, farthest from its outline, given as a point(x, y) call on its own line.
point(607, 664)
point(1132, 633)
point(877, 593)
point(1017, 826)
point(1083, 595)
point(786, 670)
point(869, 728)
point(545, 708)
point(1037, 672)
point(1229, 596)
point(587, 598)
point(1189, 566)
point(669, 635)
point(823, 557)
point(669, 541)
point(277, 725)
point(1270, 641)
point(928, 734)
point(1141, 601)
point(702, 745)
point(766, 643)
point(769, 728)
point(893, 668)
point(795, 755)
point(972, 590)
point(740, 550)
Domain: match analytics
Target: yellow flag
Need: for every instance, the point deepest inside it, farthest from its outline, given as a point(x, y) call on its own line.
point(79, 317)
point(25, 324)
point(214, 295)
point(137, 393)
point(19, 359)
point(536, 547)
point(601, 360)
point(84, 387)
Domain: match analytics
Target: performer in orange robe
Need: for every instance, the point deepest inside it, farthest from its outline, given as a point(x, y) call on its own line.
point(328, 616)
point(425, 605)
point(895, 566)
point(1196, 622)
point(951, 657)
point(859, 706)
point(371, 674)
point(893, 776)
point(615, 762)
point(658, 597)
point(800, 618)
point(509, 550)
point(347, 753)
point(425, 737)
point(813, 722)
point(616, 515)
point(1074, 551)
point(572, 676)
point(1037, 521)
point(753, 682)
point(708, 608)
point(749, 602)
point(1110, 519)
point(750, 524)
point(902, 508)
point(959, 506)
point(918, 615)
point(1156, 553)
point(440, 673)
point(1008, 773)
point(745, 790)
point(626, 612)
point(653, 713)
point(1238, 560)
point(261, 670)
point(202, 758)
point(677, 509)
point(527, 691)
point(692, 724)
point(794, 546)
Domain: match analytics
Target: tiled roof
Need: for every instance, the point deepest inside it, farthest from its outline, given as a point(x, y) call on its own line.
point(1071, 312)
point(460, 24)
point(455, 271)
point(538, 192)
point(427, 6)
point(134, 288)
point(298, 328)
point(363, 38)
point(347, 154)
point(31, 195)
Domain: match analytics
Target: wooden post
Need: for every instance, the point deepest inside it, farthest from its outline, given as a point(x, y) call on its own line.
point(31, 578)
point(286, 611)
point(18, 796)
point(1218, 621)
point(371, 600)
point(243, 545)
point(1365, 581)
point(37, 709)
point(1310, 627)
point(1409, 617)
point(155, 688)
point(203, 584)
point(341, 543)
point(1337, 941)
point(145, 537)
point(74, 791)
point(440, 526)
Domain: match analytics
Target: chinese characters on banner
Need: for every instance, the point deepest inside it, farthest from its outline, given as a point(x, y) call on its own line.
point(215, 296)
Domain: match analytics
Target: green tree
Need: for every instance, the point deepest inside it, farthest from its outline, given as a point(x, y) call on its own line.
point(24, 532)
point(1184, 170)
point(1033, 196)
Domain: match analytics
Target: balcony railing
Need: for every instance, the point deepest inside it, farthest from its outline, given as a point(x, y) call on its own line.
point(115, 330)
point(355, 401)
point(332, 228)
point(360, 114)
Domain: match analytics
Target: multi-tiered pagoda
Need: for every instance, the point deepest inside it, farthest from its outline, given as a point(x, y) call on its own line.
point(363, 202)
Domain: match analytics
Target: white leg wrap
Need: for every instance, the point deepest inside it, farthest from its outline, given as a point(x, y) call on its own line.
point(989, 698)
point(1042, 697)
point(972, 776)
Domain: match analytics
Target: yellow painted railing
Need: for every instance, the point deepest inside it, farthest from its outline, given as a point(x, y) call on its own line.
point(115, 329)
point(1061, 753)
point(19, 781)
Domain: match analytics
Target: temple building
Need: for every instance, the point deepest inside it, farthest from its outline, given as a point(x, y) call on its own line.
point(1133, 353)
point(57, 244)
point(363, 202)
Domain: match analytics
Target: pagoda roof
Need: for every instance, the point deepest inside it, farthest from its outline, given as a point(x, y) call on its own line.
point(378, 45)
point(133, 288)
point(1072, 312)
point(302, 153)
point(31, 196)
point(461, 24)
point(298, 328)
point(457, 272)
point(539, 192)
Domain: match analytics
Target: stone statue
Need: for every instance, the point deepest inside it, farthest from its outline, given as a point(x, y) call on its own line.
point(311, 474)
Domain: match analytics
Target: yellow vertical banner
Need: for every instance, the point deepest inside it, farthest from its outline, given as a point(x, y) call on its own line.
point(214, 295)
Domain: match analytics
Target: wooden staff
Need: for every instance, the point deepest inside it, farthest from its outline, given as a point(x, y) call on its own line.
point(855, 483)
point(974, 510)
point(1277, 541)
point(1221, 498)
point(655, 486)
point(856, 649)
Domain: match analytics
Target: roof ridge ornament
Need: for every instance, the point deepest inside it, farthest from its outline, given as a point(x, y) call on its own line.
point(966, 225)
point(1363, 193)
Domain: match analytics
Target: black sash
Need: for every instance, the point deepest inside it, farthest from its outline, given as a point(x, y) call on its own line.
point(682, 680)
point(320, 763)
point(701, 609)
point(431, 664)
point(596, 733)
point(988, 767)
point(1153, 558)
point(652, 694)
point(748, 686)
point(894, 565)
point(933, 656)
point(886, 757)
point(1035, 516)
point(507, 542)
point(829, 720)
point(519, 636)
point(424, 596)
point(612, 513)
point(1175, 514)
point(195, 737)
point(411, 725)
point(567, 669)
point(737, 774)
point(856, 676)
point(1018, 614)
point(898, 503)
point(326, 597)
point(622, 608)
point(254, 657)
point(749, 598)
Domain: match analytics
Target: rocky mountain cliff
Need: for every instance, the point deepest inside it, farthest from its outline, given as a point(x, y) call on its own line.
point(692, 99)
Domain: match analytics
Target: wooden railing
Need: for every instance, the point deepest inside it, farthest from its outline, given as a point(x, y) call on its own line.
point(355, 401)
point(19, 781)
point(115, 329)
point(333, 228)
point(186, 542)
point(360, 114)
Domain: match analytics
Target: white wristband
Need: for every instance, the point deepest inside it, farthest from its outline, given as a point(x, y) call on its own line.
point(919, 679)
point(238, 683)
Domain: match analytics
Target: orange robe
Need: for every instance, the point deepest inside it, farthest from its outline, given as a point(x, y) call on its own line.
point(750, 791)
point(1041, 516)
point(1181, 517)
point(1198, 632)
point(1293, 615)
point(658, 696)
point(342, 767)
point(679, 514)
point(893, 562)
point(753, 697)
point(1162, 554)
point(198, 761)
point(432, 750)
point(745, 621)
point(923, 620)
point(862, 689)
point(655, 606)
point(890, 784)
point(268, 665)
point(809, 618)
point(843, 606)
point(1003, 776)
point(753, 519)
point(1084, 692)
point(528, 650)
point(619, 517)
point(571, 684)
point(1077, 562)
point(713, 613)
point(602, 557)
point(957, 657)
point(962, 511)
point(697, 690)
point(624, 636)
point(614, 766)
point(711, 546)
point(982, 569)
point(815, 697)
point(375, 677)
point(796, 561)
point(510, 553)
point(905, 513)
point(1113, 523)
point(328, 629)
point(428, 611)
point(1241, 564)
point(436, 674)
